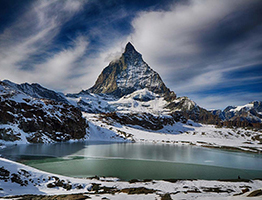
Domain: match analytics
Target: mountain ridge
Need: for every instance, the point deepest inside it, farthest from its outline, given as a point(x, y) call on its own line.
point(37, 91)
point(246, 115)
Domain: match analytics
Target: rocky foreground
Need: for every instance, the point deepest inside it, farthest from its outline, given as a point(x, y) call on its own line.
point(18, 181)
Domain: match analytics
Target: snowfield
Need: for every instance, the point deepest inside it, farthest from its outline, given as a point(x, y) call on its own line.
point(19, 179)
point(190, 133)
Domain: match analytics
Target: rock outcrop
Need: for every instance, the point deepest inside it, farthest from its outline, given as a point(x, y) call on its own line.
point(145, 120)
point(183, 106)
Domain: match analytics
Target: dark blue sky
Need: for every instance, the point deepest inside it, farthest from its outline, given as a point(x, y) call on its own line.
point(210, 51)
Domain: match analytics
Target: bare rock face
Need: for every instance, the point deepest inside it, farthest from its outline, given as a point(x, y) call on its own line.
point(145, 120)
point(128, 74)
point(55, 120)
point(186, 108)
point(42, 120)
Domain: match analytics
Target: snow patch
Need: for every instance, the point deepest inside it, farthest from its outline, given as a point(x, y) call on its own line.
point(32, 181)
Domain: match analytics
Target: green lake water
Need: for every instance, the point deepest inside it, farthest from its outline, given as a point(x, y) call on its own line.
point(137, 161)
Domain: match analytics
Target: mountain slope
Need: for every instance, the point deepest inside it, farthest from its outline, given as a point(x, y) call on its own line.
point(24, 118)
point(128, 74)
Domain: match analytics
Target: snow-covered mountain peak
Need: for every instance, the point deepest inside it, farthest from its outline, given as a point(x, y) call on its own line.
point(35, 90)
point(130, 49)
point(8, 90)
point(128, 74)
point(249, 113)
point(257, 105)
point(245, 107)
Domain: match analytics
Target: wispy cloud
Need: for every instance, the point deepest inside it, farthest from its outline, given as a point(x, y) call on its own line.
point(58, 70)
point(192, 40)
point(33, 34)
point(194, 46)
point(197, 46)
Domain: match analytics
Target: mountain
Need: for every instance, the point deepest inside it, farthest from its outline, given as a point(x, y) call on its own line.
point(128, 74)
point(246, 115)
point(37, 91)
point(25, 116)
point(129, 85)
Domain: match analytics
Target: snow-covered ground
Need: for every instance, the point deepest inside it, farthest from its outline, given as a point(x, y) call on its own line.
point(139, 102)
point(23, 179)
point(19, 179)
point(179, 133)
point(145, 101)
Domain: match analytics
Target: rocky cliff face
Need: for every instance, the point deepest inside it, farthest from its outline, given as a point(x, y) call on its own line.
point(23, 117)
point(128, 74)
point(186, 108)
point(145, 120)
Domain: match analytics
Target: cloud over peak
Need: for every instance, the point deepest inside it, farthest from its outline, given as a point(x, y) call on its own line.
point(195, 45)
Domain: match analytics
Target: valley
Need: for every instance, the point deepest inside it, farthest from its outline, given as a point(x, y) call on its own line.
point(129, 109)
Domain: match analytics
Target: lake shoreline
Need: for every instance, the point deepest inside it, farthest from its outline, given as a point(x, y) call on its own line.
point(27, 182)
point(137, 161)
point(255, 194)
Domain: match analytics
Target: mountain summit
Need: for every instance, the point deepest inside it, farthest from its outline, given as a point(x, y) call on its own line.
point(128, 74)
point(130, 49)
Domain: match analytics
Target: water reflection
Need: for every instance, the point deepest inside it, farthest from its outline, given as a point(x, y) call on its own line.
point(174, 153)
point(46, 150)
point(137, 160)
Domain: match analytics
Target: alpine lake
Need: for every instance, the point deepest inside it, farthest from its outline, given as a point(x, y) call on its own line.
point(137, 160)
